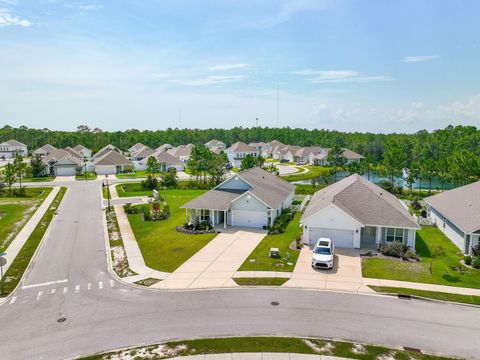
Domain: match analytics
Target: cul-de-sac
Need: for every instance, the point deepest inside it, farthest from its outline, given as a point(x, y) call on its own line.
point(217, 180)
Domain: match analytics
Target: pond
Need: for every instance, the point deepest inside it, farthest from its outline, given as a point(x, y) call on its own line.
point(377, 177)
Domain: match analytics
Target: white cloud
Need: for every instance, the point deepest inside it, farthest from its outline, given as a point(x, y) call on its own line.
point(9, 19)
point(82, 6)
point(419, 58)
point(339, 76)
point(223, 67)
point(160, 76)
point(210, 80)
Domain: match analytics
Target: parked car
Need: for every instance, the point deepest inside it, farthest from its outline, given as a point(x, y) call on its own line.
point(323, 254)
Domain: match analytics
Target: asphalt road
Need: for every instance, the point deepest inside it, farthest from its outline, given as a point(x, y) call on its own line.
point(69, 279)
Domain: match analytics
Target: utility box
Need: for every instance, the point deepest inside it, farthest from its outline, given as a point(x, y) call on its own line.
point(274, 253)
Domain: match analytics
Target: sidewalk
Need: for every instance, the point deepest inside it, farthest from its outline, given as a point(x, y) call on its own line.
point(259, 356)
point(17, 243)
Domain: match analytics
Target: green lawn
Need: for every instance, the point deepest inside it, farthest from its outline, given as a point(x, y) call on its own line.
point(134, 175)
point(38, 179)
point(307, 189)
point(260, 344)
point(263, 262)
point(88, 175)
point(162, 247)
point(132, 189)
point(314, 172)
point(16, 211)
point(261, 281)
point(446, 270)
point(20, 264)
point(466, 299)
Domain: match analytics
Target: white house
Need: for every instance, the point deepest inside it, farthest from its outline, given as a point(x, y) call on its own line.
point(238, 151)
point(321, 158)
point(356, 213)
point(168, 161)
point(60, 162)
point(182, 152)
point(457, 214)
point(251, 198)
point(103, 151)
point(86, 152)
point(112, 162)
point(216, 145)
point(259, 146)
point(10, 148)
point(270, 147)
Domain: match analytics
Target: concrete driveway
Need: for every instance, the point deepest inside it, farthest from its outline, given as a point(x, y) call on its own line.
point(215, 264)
point(346, 274)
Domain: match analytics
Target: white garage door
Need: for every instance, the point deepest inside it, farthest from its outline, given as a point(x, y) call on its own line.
point(249, 218)
point(341, 238)
point(66, 171)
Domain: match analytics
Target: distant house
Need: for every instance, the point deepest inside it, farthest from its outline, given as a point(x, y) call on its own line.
point(75, 153)
point(238, 151)
point(322, 157)
point(302, 155)
point(44, 150)
point(10, 148)
point(60, 162)
point(251, 198)
point(356, 213)
point(135, 148)
point(259, 146)
point(140, 157)
point(168, 161)
point(270, 147)
point(457, 214)
point(285, 152)
point(86, 152)
point(216, 144)
point(182, 152)
point(164, 147)
point(106, 149)
point(112, 162)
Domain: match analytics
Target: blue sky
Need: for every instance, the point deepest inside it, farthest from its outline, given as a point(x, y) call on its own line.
point(379, 66)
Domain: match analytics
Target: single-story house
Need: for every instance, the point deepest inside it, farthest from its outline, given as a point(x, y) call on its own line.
point(356, 213)
point(106, 149)
point(135, 148)
point(164, 147)
point(10, 148)
point(44, 150)
point(456, 213)
point(238, 151)
point(286, 152)
point(112, 162)
point(251, 198)
point(270, 147)
point(60, 162)
point(321, 158)
point(303, 154)
point(216, 144)
point(182, 152)
point(168, 161)
point(86, 152)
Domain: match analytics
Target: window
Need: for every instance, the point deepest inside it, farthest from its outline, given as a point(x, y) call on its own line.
point(394, 234)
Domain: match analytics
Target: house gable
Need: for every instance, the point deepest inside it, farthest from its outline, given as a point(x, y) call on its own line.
point(234, 183)
point(65, 162)
point(331, 217)
point(248, 202)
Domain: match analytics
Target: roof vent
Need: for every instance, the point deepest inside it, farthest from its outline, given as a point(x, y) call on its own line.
point(236, 178)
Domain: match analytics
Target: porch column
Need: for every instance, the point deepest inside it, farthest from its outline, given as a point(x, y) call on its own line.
point(186, 215)
point(225, 219)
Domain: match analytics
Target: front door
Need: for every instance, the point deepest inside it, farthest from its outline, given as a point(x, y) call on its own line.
point(368, 237)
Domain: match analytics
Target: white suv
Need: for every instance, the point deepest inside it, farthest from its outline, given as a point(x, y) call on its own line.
point(323, 254)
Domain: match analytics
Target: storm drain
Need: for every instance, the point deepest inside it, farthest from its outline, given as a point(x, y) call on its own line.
point(274, 303)
point(62, 319)
point(404, 296)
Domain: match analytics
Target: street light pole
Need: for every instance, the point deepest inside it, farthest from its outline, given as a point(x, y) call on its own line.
point(108, 193)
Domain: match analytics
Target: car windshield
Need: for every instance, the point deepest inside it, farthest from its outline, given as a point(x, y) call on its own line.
point(322, 251)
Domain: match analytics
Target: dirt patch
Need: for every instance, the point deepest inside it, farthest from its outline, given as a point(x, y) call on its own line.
point(117, 250)
point(322, 348)
point(150, 352)
point(358, 349)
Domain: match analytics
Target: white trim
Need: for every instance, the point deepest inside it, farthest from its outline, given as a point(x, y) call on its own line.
point(231, 177)
point(333, 204)
point(256, 197)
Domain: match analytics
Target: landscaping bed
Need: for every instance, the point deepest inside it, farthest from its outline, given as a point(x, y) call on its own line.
point(162, 247)
point(261, 344)
point(260, 281)
point(261, 254)
point(117, 249)
point(20, 264)
point(446, 270)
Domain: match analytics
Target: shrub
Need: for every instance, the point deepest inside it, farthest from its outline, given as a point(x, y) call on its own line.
point(281, 222)
point(415, 204)
point(396, 249)
point(467, 260)
point(476, 250)
point(476, 262)
point(129, 209)
point(150, 183)
point(410, 255)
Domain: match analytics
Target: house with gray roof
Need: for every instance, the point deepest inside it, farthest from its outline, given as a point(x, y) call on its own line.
point(217, 144)
point(86, 152)
point(251, 198)
point(238, 151)
point(60, 162)
point(356, 213)
point(106, 149)
point(168, 161)
point(321, 158)
point(10, 148)
point(112, 162)
point(456, 213)
point(44, 150)
point(182, 152)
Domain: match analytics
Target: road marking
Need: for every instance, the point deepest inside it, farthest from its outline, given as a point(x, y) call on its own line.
point(100, 284)
point(65, 290)
point(39, 295)
point(44, 284)
point(89, 286)
point(53, 291)
point(112, 283)
point(77, 289)
point(13, 300)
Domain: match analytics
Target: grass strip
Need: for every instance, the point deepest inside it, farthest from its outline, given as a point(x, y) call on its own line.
point(20, 264)
point(464, 299)
point(260, 344)
point(260, 281)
